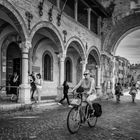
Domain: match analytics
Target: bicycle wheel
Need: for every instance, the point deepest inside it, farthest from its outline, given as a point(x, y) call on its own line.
point(73, 120)
point(92, 119)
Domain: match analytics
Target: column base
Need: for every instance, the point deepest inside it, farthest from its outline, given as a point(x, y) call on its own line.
point(59, 93)
point(24, 94)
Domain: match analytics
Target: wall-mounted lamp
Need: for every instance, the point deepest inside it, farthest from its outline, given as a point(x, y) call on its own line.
point(58, 54)
point(40, 7)
point(65, 34)
point(59, 19)
point(29, 17)
point(50, 14)
point(60, 14)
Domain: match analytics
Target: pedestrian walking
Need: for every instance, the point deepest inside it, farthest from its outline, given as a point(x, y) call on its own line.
point(65, 93)
point(38, 83)
point(133, 92)
point(118, 92)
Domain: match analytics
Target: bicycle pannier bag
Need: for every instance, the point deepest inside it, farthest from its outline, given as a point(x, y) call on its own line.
point(98, 109)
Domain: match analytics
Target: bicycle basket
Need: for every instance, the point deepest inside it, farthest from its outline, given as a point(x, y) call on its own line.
point(75, 102)
point(80, 89)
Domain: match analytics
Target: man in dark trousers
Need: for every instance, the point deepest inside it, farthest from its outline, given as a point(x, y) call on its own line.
point(65, 92)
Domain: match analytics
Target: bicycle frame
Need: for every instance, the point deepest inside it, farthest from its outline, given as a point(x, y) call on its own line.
point(78, 115)
point(82, 111)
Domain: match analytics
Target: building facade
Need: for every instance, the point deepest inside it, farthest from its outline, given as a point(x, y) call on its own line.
point(58, 39)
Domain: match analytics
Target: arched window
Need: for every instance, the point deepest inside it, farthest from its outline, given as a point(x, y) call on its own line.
point(68, 70)
point(48, 66)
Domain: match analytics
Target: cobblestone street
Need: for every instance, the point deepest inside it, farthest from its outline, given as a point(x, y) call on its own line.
point(118, 122)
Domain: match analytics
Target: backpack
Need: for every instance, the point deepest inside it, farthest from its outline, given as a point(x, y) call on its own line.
point(98, 109)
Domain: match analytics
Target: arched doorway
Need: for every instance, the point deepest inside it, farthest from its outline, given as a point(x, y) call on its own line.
point(13, 61)
point(91, 65)
point(75, 51)
point(45, 54)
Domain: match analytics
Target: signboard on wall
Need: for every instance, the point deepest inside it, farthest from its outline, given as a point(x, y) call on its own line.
point(35, 69)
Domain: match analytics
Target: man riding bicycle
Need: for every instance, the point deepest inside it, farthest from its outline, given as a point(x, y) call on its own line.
point(88, 84)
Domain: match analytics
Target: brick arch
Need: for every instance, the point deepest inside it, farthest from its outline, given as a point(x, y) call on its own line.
point(78, 46)
point(15, 17)
point(95, 53)
point(122, 27)
point(52, 30)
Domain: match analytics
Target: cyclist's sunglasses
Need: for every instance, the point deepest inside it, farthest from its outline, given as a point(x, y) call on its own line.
point(85, 73)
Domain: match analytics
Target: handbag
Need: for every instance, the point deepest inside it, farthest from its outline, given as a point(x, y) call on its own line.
point(133, 91)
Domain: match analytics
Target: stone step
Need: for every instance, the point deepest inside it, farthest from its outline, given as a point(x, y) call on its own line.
point(18, 106)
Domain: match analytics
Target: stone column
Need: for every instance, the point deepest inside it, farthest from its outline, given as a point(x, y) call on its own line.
point(89, 18)
point(98, 86)
point(61, 62)
point(76, 10)
point(113, 76)
point(84, 63)
point(24, 89)
point(61, 77)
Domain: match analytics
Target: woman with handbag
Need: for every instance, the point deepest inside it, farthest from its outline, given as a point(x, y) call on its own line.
point(38, 83)
point(133, 92)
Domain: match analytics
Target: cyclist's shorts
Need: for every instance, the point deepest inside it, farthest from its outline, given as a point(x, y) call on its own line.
point(91, 98)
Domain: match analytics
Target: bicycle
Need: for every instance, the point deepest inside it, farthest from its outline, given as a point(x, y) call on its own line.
point(79, 115)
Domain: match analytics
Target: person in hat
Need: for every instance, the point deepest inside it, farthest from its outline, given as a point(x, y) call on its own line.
point(88, 84)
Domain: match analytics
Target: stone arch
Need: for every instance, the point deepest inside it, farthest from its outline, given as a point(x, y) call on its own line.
point(15, 17)
point(121, 29)
point(95, 53)
point(52, 30)
point(80, 46)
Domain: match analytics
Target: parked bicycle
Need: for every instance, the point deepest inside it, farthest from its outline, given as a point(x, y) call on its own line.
point(80, 113)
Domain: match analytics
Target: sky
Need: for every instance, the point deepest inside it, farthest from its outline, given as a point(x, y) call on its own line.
point(129, 47)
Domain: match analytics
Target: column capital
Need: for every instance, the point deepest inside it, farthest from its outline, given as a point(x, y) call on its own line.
point(83, 62)
point(25, 45)
point(62, 57)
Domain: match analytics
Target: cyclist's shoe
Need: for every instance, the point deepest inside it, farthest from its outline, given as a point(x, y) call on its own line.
point(59, 103)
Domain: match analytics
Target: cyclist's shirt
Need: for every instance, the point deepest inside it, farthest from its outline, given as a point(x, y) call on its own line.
point(87, 83)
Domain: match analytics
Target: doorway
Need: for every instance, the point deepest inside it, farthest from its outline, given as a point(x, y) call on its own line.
point(13, 62)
